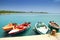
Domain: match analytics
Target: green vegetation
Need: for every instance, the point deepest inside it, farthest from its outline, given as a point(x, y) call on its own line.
point(3, 11)
point(10, 12)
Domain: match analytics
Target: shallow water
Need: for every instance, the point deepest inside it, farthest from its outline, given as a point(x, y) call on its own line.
point(21, 18)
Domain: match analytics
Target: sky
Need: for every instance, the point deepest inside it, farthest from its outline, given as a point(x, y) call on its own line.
point(52, 6)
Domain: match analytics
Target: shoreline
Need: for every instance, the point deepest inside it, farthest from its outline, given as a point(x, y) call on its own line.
point(20, 13)
point(35, 37)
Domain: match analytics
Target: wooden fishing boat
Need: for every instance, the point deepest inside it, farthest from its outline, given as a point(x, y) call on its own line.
point(41, 28)
point(20, 28)
point(54, 25)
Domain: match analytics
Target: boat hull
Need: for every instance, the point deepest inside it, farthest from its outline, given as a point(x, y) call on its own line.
point(7, 28)
point(51, 28)
point(42, 31)
point(15, 31)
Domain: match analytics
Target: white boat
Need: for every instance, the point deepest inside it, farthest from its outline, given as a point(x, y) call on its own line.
point(40, 27)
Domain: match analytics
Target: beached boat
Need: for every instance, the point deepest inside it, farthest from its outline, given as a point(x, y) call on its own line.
point(9, 27)
point(20, 28)
point(41, 28)
point(54, 25)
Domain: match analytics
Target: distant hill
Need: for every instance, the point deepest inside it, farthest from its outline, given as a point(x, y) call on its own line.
point(8, 12)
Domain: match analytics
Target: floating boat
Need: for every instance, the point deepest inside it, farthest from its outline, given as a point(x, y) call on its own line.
point(54, 25)
point(41, 28)
point(9, 27)
point(20, 28)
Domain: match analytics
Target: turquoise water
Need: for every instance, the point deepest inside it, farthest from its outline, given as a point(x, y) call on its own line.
point(21, 18)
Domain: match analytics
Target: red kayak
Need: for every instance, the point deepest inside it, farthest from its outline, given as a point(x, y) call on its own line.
point(20, 28)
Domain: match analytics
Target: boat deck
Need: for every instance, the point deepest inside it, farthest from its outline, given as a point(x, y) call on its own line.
point(35, 37)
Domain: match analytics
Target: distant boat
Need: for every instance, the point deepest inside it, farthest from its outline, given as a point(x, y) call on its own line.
point(20, 28)
point(9, 27)
point(54, 25)
point(41, 28)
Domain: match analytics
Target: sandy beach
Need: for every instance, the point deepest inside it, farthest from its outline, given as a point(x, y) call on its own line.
point(35, 37)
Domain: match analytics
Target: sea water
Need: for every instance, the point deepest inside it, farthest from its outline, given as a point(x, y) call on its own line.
point(26, 17)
